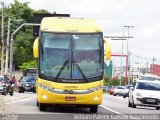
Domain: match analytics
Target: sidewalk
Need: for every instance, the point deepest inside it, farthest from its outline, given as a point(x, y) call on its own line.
point(2, 105)
point(18, 96)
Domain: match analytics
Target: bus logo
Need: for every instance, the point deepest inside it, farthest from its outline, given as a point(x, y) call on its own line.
point(68, 91)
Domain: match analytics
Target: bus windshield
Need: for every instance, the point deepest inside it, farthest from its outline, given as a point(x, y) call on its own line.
point(66, 57)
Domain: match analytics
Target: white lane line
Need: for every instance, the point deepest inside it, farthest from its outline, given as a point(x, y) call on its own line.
point(117, 112)
point(23, 99)
point(111, 109)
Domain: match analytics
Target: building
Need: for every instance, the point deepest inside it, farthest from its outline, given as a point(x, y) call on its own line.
point(155, 69)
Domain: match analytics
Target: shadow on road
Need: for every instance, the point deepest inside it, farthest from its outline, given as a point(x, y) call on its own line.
point(147, 108)
point(67, 109)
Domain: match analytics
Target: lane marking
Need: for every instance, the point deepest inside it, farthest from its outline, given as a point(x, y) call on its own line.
point(103, 106)
point(116, 112)
point(23, 99)
point(111, 109)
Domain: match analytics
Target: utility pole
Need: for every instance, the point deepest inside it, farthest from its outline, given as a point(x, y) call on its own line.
point(122, 61)
point(147, 66)
point(2, 42)
point(153, 65)
point(128, 65)
point(7, 47)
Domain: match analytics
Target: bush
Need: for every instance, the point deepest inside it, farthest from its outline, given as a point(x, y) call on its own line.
point(111, 81)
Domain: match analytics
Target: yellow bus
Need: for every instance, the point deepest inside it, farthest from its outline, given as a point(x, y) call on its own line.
point(70, 53)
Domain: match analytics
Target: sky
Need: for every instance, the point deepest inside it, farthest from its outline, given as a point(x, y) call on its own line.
point(112, 16)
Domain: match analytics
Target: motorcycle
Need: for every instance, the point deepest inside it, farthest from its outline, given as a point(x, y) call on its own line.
point(4, 90)
point(9, 88)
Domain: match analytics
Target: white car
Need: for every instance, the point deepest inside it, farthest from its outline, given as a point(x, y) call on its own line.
point(145, 93)
point(118, 90)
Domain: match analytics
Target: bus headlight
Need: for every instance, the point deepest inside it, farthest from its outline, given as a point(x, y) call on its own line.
point(96, 98)
point(95, 88)
point(44, 96)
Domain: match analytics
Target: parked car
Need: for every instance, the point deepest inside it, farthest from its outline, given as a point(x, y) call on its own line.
point(105, 88)
point(126, 91)
point(118, 90)
point(145, 93)
point(3, 85)
point(27, 84)
point(111, 90)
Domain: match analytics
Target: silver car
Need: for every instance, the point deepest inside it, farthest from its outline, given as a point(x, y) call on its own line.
point(118, 90)
point(2, 83)
point(126, 91)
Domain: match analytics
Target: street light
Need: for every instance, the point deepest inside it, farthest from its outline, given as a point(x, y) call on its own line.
point(128, 53)
point(12, 42)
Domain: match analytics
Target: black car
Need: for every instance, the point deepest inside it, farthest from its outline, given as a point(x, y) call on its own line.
point(28, 83)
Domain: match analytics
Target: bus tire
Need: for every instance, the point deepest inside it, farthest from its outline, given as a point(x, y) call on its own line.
point(42, 107)
point(93, 108)
point(37, 104)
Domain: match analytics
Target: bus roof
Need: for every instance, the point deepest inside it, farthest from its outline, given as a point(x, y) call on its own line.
point(68, 24)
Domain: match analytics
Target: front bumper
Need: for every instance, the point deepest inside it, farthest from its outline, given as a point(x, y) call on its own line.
point(94, 98)
point(27, 88)
point(144, 101)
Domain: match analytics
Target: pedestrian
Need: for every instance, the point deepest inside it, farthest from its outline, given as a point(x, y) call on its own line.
point(6, 78)
point(13, 80)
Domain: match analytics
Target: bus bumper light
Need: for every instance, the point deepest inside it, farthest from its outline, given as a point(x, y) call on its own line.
point(44, 97)
point(96, 98)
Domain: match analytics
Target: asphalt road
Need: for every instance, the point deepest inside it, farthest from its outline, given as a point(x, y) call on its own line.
point(119, 105)
point(23, 107)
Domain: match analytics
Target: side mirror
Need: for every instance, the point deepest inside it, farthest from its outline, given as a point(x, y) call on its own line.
point(35, 48)
point(107, 50)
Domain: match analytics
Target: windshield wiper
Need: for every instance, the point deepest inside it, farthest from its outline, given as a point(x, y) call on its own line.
point(83, 75)
point(60, 71)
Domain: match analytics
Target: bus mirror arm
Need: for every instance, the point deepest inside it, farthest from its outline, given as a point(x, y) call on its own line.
point(107, 50)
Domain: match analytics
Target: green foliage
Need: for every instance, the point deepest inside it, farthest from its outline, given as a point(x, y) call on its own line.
point(111, 82)
point(30, 64)
point(21, 11)
point(23, 47)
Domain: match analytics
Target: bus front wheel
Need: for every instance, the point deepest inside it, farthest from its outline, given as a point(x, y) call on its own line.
point(37, 104)
point(93, 108)
point(42, 107)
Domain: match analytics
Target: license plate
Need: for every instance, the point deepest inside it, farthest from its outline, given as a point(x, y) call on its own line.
point(150, 100)
point(119, 91)
point(70, 98)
